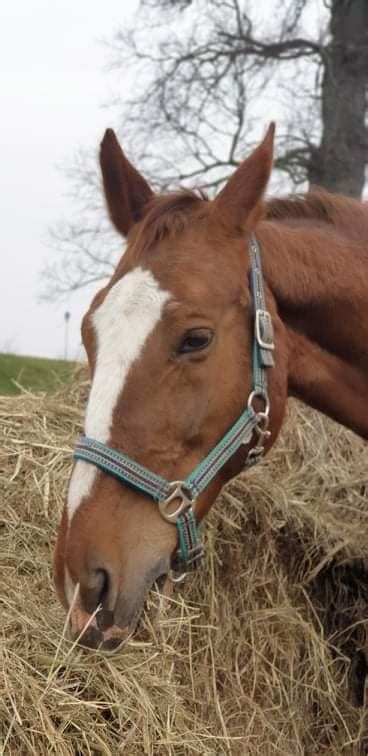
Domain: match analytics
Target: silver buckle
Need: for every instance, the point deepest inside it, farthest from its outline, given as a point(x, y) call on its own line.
point(264, 329)
point(178, 492)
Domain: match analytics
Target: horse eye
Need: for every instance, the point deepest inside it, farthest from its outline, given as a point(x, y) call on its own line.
point(195, 341)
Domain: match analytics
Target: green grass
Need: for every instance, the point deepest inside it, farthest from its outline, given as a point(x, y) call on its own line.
point(32, 373)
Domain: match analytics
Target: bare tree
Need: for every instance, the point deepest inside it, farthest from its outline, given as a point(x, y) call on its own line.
point(208, 76)
point(339, 161)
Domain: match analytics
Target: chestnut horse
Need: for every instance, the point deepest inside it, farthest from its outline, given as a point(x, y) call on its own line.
point(172, 341)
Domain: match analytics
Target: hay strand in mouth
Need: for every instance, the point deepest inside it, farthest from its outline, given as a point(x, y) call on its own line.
point(250, 656)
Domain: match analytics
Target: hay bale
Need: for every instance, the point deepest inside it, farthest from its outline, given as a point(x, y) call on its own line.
point(253, 654)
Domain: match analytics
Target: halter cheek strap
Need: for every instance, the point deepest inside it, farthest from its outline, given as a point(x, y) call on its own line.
point(250, 424)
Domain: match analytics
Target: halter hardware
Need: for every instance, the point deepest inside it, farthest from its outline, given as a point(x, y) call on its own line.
point(178, 492)
point(261, 396)
point(264, 329)
point(262, 434)
point(251, 423)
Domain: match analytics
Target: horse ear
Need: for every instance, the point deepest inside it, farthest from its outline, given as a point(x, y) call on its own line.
point(238, 205)
point(126, 191)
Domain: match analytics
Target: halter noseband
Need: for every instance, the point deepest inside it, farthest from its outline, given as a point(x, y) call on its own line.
point(250, 422)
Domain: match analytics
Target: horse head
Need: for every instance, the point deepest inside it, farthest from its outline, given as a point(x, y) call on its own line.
point(170, 345)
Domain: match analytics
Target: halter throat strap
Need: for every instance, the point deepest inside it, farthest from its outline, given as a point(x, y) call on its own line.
point(176, 499)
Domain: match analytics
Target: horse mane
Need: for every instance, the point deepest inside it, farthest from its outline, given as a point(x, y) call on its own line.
point(168, 214)
point(344, 213)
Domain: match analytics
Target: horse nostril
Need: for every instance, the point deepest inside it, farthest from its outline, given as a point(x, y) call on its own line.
point(104, 619)
point(91, 638)
point(94, 589)
point(112, 644)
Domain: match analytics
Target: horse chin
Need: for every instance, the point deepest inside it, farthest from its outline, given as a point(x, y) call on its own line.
point(90, 632)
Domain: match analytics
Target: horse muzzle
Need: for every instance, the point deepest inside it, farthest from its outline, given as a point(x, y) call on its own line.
point(108, 629)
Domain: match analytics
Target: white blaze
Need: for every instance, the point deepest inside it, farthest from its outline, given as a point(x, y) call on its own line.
point(122, 323)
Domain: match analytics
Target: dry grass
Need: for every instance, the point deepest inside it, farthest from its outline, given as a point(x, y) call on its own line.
point(252, 655)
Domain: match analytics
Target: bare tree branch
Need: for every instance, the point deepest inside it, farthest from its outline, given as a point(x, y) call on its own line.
point(208, 75)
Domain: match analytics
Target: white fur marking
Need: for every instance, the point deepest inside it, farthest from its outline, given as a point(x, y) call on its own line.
point(122, 323)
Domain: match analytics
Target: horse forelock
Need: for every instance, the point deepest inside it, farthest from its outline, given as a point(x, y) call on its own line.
point(166, 215)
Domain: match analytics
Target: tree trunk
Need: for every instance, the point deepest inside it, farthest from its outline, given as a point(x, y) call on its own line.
point(340, 160)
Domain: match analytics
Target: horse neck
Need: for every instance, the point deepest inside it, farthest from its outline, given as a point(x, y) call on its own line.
point(319, 278)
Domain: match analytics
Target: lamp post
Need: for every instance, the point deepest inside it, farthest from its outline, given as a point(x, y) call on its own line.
point(66, 334)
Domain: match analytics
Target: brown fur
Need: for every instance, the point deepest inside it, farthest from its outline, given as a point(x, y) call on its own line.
point(174, 409)
point(348, 215)
point(166, 215)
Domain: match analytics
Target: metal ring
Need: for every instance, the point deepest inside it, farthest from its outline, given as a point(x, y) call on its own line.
point(178, 492)
point(177, 578)
point(257, 394)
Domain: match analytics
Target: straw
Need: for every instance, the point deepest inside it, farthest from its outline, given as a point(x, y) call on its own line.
point(251, 656)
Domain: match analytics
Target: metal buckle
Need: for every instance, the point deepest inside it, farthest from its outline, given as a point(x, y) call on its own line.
point(178, 492)
point(264, 329)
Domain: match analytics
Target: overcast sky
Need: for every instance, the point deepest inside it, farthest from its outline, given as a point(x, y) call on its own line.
point(53, 87)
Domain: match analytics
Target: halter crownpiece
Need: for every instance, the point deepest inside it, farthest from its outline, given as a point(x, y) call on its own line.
point(250, 423)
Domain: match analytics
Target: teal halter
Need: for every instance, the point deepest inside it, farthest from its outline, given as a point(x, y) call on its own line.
point(250, 422)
